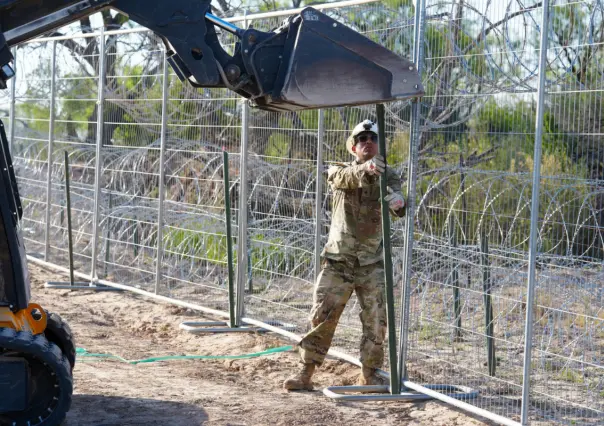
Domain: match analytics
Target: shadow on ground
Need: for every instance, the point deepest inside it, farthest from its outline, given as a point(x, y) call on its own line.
point(99, 410)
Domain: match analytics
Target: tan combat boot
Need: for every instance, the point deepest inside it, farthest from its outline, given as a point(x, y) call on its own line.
point(368, 377)
point(302, 380)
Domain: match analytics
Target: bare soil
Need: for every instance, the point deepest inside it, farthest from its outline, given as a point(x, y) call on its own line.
point(201, 392)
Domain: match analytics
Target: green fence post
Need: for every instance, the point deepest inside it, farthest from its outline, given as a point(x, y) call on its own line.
point(227, 212)
point(455, 280)
point(488, 301)
point(394, 379)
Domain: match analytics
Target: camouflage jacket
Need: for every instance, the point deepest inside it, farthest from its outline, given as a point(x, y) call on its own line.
point(356, 223)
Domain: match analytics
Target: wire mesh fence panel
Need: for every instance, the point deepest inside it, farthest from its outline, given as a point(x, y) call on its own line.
point(76, 80)
point(568, 321)
point(130, 156)
point(30, 142)
point(473, 203)
point(281, 226)
point(201, 123)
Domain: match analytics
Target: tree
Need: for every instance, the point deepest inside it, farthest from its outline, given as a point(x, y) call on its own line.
point(85, 52)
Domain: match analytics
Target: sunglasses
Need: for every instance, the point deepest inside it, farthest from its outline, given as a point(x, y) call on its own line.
point(365, 138)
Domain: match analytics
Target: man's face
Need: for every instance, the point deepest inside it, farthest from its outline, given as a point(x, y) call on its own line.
point(366, 146)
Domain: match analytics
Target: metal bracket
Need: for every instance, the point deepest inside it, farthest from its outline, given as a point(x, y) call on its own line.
point(80, 285)
point(216, 327)
point(196, 327)
point(341, 393)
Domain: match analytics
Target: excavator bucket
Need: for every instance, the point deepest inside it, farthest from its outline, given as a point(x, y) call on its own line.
point(326, 64)
point(310, 61)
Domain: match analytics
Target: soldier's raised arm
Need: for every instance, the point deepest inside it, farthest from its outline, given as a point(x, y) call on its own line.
point(353, 176)
point(346, 176)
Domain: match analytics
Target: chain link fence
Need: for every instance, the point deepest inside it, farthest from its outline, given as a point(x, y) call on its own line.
point(488, 252)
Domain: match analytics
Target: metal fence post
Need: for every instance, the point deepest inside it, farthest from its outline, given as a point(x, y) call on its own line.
point(108, 236)
point(319, 192)
point(99, 150)
point(51, 138)
point(388, 278)
point(242, 237)
point(229, 236)
point(418, 40)
point(13, 88)
point(455, 279)
point(69, 227)
point(530, 290)
point(488, 301)
point(165, 93)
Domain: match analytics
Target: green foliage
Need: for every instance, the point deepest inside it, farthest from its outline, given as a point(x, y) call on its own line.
point(398, 4)
point(266, 254)
point(309, 118)
point(511, 119)
point(73, 112)
point(571, 376)
point(278, 146)
point(429, 331)
point(270, 254)
point(397, 148)
point(209, 246)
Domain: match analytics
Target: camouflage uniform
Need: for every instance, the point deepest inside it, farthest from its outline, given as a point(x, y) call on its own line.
point(352, 261)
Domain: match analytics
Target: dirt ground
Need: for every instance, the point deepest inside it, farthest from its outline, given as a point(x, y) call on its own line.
point(201, 392)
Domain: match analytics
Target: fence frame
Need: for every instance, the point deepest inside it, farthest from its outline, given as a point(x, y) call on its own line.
point(98, 170)
point(162, 172)
point(51, 138)
point(530, 285)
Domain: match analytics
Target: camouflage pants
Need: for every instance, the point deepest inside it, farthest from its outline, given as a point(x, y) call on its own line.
point(335, 284)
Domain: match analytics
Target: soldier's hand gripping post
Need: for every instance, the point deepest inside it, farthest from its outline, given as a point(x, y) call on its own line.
point(352, 259)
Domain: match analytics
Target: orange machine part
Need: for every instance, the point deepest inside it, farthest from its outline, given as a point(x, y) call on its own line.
point(24, 319)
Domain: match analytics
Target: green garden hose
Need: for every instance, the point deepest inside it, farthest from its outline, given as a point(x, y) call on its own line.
point(83, 353)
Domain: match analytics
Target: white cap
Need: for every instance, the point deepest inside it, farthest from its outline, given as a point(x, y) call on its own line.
point(363, 126)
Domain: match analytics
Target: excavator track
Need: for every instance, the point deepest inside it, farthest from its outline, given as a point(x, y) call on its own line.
point(50, 383)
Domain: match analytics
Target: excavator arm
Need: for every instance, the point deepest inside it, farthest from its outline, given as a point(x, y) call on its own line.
point(310, 61)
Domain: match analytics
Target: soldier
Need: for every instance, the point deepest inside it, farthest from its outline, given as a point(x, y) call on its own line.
point(352, 258)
